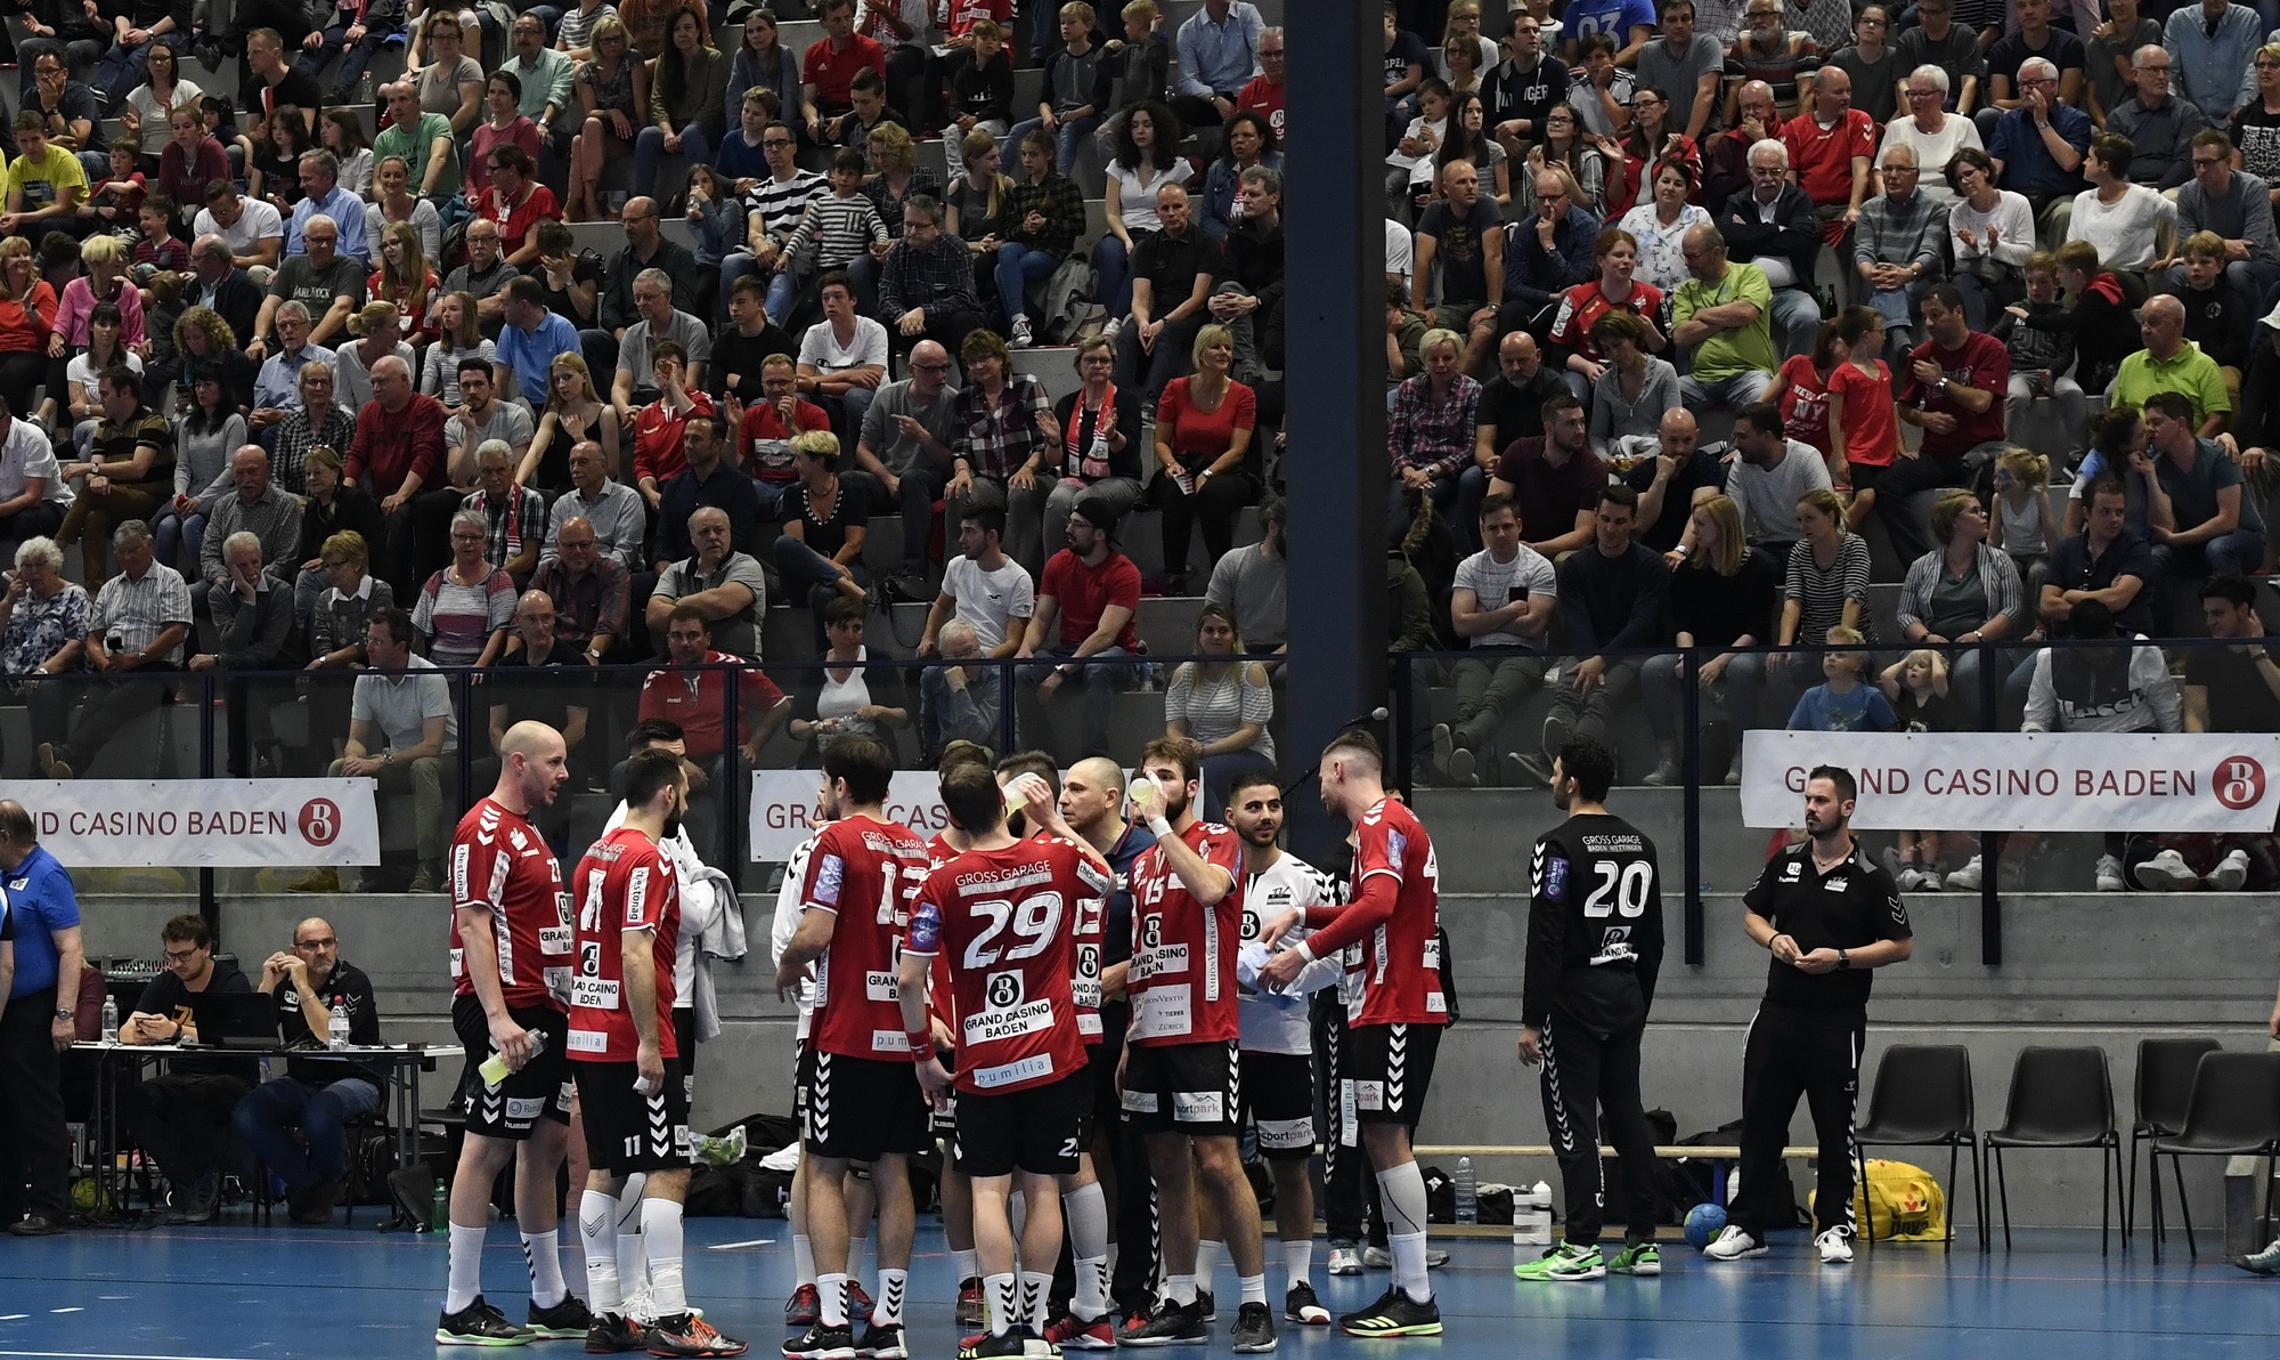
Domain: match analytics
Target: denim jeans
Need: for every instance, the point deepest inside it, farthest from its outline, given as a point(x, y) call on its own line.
point(1072, 135)
point(268, 1114)
point(1113, 262)
point(783, 291)
point(1101, 683)
point(187, 535)
point(1018, 267)
point(354, 57)
point(122, 67)
point(805, 569)
point(649, 148)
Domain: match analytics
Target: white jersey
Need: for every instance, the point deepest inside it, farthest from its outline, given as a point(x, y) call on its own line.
point(787, 924)
point(1277, 1022)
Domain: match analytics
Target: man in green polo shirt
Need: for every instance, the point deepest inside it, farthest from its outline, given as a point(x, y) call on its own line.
point(1721, 313)
point(424, 142)
point(2171, 363)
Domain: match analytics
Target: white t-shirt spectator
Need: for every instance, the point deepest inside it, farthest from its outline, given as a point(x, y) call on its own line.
point(2124, 230)
point(1768, 497)
point(26, 454)
point(259, 222)
point(80, 371)
point(1400, 251)
point(989, 600)
point(1136, 201)
point(1496, 584)
point(821, 347)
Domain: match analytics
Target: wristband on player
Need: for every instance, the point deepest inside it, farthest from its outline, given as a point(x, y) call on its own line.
point(921, 1045)
point(1161, 827)
point(1304, 952)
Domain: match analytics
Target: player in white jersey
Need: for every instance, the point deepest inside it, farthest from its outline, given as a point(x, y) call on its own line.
point(1276, 1045)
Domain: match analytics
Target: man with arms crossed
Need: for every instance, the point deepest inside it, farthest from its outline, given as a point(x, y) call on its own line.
point(510, 970)
point(863, 1100)
point(1002, 913)
point(1399, 1012)
point(626, 1060)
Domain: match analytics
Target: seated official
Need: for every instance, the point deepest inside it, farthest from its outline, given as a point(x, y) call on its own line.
point(318, 1096)
point(179, 1118)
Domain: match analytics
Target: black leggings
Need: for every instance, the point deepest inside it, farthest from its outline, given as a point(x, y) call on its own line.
point(21, 373)
point(1215, 503)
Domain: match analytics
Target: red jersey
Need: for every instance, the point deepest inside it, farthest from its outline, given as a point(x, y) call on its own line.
point(831, 72)
point(500, 863)
point(1583, 305)
point(1871, 422)
point(1182, 982)
point(1399, 932)
point(767, 444)
point(1823, 156)
point(1804, 401)
point(1003, 919)
point(864, 873)
point(959, 16)
point(1264, 97)
point(692, 699)
point(624, 883)
point(939, 998)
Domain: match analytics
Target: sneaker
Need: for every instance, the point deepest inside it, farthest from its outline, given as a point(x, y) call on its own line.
point(565, 1321)
point(1835, 1245)
point(969, 1312)
point(686, 1334)
point(615, 1334)
point(1014, 1345)
point(38, 1223)
point(195, 1202)
point(1396, 1314)
point(312, 1207)
point(2109, 874)
point(1665, 773)
point(1567, 1261)
point(859, 1304)
point(823, 1341)
point(1378, 1258)
point(1170, 1325)
point(1526, 768)
point(1346, 1260)
point(2265, 1262)
point(1909, 879)
point(1444, 746)
point(1464, 768)
point(1732, 1244)
point(428, 879)
point(316, 881)
point(1967, 878)
point(1206, 1305)
point(883, 1341)
point(2166, 871)
point(1893, 865)
point(1302, 1307)
point(642, 1307)
point(1254, 1329)
point(1073, 1333)
point(1108, 332)
point(1021, 338)
point(2231, 872)
point(479, 1324)
point(1639, 1258)
point(1928, 880)
point(1554, 735)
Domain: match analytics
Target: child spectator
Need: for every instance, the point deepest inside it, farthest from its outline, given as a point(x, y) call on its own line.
point(2039, 333)
point(2022, 524)
point(1861, 409)
point(1842, 703)
point(2218, 316)
point(1804, 383)
point(1917, 687)
point(113, 201)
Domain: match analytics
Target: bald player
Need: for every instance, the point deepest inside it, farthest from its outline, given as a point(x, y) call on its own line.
point(511, 952)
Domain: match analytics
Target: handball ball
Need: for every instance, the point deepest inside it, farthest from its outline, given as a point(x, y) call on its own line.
point(1704, 1222)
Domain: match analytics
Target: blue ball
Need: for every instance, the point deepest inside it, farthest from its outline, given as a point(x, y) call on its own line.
point(1703, 1222)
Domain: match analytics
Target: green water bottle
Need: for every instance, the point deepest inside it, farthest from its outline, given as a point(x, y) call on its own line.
point(439, 1213)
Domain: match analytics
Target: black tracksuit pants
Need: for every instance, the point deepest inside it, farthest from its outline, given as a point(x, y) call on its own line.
point(1584, 1074)
point(1792, 1053)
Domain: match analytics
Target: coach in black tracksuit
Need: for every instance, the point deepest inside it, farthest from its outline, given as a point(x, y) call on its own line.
point(1828, 915)
point(1595, 946)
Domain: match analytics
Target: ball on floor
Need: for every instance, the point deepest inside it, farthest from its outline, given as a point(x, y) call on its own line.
point(1703, 1222)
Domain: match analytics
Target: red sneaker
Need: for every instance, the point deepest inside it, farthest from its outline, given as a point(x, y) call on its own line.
point(1072, 1333)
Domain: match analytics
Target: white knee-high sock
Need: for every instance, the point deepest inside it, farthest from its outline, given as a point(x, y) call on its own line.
point(597, 1232)
point(1298, 1262)
point(1207, 1254)
point(466, 1281)
point(855, 1241)
point(1402, 1191)
point(967, 1264)
point(803, 1259)
point(1035, 1287)
point(887, 1310)
point(632, 1273)
point(831, 1286)
point(1002, 1295)
point(543, 1253)
point(1086, 1212)
point(661, 1238)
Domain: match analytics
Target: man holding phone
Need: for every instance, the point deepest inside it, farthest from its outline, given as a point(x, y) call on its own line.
point(178, 1118)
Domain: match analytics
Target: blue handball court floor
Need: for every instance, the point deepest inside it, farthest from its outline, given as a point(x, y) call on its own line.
point(239, 1292)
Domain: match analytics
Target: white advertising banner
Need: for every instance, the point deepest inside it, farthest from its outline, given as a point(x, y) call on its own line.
point(2024, 781)
point(783, 807)
point(203, 823)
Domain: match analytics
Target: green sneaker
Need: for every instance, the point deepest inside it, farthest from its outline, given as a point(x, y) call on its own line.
point(1565, 1262)
point(1639, 1259)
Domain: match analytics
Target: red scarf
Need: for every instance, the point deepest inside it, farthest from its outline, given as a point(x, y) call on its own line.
point(1076, 452)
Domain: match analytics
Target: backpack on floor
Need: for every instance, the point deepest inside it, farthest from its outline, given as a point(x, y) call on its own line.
point(1900, 1203)
point(1069, 297)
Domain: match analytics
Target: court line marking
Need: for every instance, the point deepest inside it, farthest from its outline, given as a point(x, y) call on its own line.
point(732, 1246)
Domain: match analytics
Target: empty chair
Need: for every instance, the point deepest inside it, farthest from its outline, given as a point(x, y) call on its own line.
point(1922, 1098)
point(2062, 1098)
point(2234, 1111)
point(2164, 1087)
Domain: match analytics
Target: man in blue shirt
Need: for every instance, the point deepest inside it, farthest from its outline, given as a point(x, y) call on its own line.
point(2038, 148)
point(1219, 53)
point(529, 342)
point(322, 196)
point(36, 1027)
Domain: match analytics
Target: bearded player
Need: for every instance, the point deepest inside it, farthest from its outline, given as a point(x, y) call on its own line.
point(510, 968)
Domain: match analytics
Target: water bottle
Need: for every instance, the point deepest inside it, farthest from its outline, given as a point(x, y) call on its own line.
point(336, 1029)
point(494, 1068)
point(1468, 1195)
point(110, 1019)
point(1532, 1217)
point(439, 1212)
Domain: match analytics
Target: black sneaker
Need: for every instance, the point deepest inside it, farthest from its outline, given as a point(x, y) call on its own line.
point(1254, 1329)
point(1302, 1307)
point(687, 1335)
point(969, 1312)
point(1206, 1307)
point(1394, 1315)
point(566, 1320)
point(479, 1324)
point(1172, 1325)
point(1013, 1345)
point(615, 1333)
point(823, 1341)
point(883, 1341)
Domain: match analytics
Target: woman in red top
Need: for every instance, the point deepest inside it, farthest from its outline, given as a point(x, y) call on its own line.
point(1861, 409)
point(1617, 253)
point(27, 319)
point(1650, 140)
point(518, 203)
point(1203, 442)
point(190, 161)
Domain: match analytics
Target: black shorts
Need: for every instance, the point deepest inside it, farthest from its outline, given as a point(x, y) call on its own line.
point(860, 1109)
point(1278, 1103)
point(1390, 1067)
point(541, 1089)
point(1195, 1089)
point(1034, 1130)
point(627, 1131)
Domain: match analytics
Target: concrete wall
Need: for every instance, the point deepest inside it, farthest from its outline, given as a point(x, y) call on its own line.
point(2081, 968)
